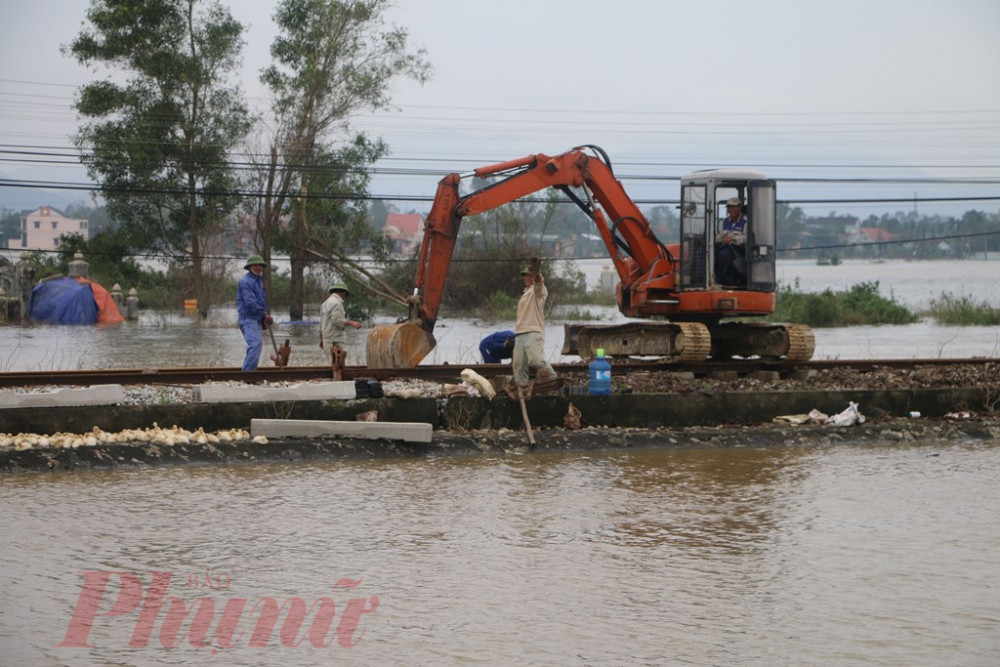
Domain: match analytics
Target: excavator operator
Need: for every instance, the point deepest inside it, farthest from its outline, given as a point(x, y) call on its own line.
point(730, 246)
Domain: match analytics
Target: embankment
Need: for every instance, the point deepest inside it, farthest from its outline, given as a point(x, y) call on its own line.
point(465, 426)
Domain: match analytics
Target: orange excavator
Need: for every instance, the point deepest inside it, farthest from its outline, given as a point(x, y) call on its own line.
point(694, 309)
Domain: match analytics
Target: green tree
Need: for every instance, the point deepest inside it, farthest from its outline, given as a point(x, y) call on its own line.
point(157, 139)
point(10, 225)
point(331, 58)
point(378, 211)
point(96, 216)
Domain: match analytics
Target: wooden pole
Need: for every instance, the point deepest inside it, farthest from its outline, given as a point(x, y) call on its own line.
point(524, 413)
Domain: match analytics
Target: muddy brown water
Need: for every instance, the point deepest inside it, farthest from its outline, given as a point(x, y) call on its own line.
point(825, 555)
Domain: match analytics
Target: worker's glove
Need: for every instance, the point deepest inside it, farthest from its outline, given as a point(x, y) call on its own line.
point(535, 266)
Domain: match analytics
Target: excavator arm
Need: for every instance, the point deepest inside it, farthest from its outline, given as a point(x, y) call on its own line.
point(645, 267)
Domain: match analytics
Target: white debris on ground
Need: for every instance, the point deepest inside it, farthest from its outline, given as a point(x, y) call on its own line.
point(849, 417)
point(411, 388)
point(154, 394)
point(156, 435)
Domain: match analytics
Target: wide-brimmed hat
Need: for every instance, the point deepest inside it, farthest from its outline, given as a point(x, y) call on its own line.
point(254, 260)
point(339, 287)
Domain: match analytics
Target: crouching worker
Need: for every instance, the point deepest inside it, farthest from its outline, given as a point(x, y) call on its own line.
point(332, 327)
point(497, 346)
point(529, 341)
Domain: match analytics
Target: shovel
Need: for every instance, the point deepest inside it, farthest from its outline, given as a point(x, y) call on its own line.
point(524, 414)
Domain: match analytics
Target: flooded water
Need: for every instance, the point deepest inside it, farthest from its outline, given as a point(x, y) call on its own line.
point(807, 556)
point(161, 339)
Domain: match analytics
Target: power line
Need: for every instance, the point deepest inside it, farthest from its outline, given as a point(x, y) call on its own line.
point(83, 187)
point(370, 262)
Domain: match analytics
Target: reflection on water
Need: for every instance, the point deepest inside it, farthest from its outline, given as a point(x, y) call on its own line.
point(754, 556)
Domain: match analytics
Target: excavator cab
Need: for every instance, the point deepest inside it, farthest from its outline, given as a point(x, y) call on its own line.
point(709, 258)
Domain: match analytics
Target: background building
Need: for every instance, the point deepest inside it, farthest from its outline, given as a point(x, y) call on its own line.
point(41, 229)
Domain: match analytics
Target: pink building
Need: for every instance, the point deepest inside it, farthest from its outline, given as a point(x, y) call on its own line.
point(41, 229)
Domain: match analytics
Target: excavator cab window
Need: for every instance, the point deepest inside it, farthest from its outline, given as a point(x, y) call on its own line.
point(762, 208)
point(694, 227)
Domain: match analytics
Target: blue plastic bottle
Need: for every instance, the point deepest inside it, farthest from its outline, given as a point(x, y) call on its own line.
point(600, 375)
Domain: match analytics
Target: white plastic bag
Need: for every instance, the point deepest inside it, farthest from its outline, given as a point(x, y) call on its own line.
point(849, 417)
point(479, 382)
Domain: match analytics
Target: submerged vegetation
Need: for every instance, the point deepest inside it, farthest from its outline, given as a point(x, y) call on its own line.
point(861, 304)
point(962, 311)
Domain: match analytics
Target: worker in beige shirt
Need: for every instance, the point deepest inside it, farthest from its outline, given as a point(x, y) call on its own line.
point(529, 342)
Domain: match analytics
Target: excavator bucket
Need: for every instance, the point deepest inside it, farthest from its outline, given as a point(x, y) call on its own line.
point(401, 345)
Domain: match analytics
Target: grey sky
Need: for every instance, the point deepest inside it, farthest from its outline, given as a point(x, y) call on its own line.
point(800, 89)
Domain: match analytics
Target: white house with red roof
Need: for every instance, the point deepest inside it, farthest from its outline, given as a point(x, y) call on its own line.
point(405, 230)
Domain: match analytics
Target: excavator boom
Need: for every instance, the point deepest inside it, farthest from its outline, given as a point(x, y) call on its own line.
point(632, 244)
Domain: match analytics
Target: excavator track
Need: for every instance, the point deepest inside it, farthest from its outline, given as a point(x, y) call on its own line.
point(681, 341)
point(801, 342)
point(791, 342)
point(694, 341)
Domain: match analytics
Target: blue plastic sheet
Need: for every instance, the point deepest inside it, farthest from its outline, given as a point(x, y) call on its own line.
point(63, 301)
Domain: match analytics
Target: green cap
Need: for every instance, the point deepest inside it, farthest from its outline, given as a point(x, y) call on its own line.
point(525, 271)
point(339, 287)
point(254, 260)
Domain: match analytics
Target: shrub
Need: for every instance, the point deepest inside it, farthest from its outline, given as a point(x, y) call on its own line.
point(861, 304)
point(962, 311)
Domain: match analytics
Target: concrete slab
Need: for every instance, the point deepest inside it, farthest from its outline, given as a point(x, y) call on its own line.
point(309, 428)
point(103, 394)
point(249, 393)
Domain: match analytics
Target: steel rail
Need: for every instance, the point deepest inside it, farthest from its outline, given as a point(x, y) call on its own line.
point(447, 372)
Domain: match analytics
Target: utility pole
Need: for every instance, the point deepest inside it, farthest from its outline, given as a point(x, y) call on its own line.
point(296, 289)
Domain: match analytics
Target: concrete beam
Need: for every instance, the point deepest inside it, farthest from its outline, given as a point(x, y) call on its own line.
point(310, 428)
point(248, 393)
point(103, 394)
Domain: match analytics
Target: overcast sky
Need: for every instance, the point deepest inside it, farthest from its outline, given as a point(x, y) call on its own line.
point(802, 90)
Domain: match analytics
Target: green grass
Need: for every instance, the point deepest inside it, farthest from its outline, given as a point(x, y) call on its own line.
point(861, 304)
point(962, 311)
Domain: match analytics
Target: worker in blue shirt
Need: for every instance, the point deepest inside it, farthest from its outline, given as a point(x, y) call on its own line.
point(497, 346)
point(251, 310)
point(730, 244)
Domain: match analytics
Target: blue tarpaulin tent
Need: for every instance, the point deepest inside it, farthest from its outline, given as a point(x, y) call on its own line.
point(63, 301)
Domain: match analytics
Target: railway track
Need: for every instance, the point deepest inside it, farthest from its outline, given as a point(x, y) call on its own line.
point(447, 372)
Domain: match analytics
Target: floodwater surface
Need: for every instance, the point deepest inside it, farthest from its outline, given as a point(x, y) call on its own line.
point(754, 556)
